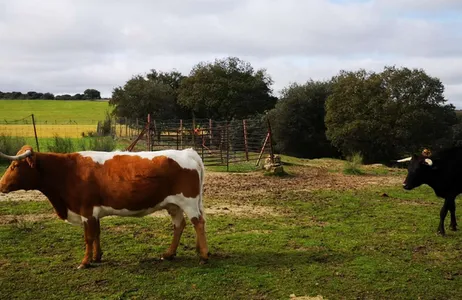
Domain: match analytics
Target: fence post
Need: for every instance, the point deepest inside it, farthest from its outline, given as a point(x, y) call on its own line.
point(181, 133)
point(126, 127)
point(246, 147)
point(210, 133)
point(194, 131)
point(35, 133)
point(227, 147)
point(270, 139)
point(149, 132)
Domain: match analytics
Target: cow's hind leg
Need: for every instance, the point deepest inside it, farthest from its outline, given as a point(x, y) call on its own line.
point(90, 230)
point(452, 210)
point(178, 226)
point(195, 214)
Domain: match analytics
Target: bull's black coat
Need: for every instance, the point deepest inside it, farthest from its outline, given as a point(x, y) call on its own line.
point(443, 173)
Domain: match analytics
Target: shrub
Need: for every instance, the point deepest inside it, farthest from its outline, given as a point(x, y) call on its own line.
point(61, 145)
point(353, 164)
point(10, 145)
point(105, 143)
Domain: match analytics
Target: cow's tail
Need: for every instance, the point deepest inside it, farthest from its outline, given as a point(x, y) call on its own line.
point(201, 171)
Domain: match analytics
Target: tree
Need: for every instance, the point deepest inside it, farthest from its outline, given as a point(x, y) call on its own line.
point(228, 88)
point(388, 114)
point(48, 96)
point(173, 79)
point(91, 94)
point(297, 121)
point(140, 96)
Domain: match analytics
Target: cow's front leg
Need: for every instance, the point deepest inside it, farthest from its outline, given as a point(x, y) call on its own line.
point(179, 224)
point(443, 214)
point(90, 229)
point(97, 253)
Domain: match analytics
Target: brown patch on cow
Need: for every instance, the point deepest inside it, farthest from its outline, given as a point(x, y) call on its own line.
point(137, 183)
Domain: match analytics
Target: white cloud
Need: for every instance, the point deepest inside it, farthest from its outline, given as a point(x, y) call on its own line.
point(66, 46)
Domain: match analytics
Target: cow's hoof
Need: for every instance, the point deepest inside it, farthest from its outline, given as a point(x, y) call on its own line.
point(442, 233)
point(83, 266)
point(453, 228)
point(203, 261)
point(168, 256)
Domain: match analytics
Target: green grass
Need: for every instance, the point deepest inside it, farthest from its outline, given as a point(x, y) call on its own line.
point(60, 111)
point(339, 244)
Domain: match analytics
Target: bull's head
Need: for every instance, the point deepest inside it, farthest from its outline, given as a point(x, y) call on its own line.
point(21, 174)
point(418, 171)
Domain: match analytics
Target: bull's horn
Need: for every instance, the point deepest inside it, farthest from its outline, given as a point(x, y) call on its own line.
point(17, 157)
point(405, 159)
point(428, 161)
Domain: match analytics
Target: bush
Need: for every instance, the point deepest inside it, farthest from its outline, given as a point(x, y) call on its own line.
point(61, 145)
point(353, 164)
point(10, 145)
point(105, 143)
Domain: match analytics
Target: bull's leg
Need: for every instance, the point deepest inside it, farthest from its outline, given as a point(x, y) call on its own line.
point(443, 214)
point(201, 240)
point(178, 226)
point(97, 253)
point(452, 210)
point(90, 234)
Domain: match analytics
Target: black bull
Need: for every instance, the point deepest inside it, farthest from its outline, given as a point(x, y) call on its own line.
point(443, 173)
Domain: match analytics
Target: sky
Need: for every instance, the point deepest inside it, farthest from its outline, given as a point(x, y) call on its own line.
point(67, 46)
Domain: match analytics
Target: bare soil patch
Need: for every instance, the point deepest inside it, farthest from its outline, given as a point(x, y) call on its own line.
point(240, 185)
point(12, 219)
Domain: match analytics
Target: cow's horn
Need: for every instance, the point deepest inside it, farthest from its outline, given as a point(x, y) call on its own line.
point(17, 157)
point(405, 159)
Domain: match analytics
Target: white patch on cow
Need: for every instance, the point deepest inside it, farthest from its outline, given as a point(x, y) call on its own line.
point(187, 158)
point(75, 219)
point(190, 206)
point(177, 219)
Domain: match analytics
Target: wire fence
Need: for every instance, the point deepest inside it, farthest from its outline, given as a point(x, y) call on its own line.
point(218, 142)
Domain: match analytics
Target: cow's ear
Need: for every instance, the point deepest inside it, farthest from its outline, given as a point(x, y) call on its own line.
point(31, 160)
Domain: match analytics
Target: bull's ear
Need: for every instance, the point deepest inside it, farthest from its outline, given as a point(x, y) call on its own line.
point(31, 159)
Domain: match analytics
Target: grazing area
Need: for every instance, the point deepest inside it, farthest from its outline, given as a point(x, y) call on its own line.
point(81, 111)
point(315, 231)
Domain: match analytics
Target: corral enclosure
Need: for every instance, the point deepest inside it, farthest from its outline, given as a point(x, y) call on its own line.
point(219, 143)
point(315, 231)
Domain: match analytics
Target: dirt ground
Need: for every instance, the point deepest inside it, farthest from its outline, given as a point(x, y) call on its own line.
point(229, 193)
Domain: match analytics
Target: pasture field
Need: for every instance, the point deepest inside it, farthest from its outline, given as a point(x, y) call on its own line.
point(59, 111)
point(313, 232)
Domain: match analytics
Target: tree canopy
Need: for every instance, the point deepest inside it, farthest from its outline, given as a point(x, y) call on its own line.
point(227, 88)
point(298, 120)
point(140, 96)
point(384, 115)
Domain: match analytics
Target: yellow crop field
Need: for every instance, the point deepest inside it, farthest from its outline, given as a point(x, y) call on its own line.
point(46, 130)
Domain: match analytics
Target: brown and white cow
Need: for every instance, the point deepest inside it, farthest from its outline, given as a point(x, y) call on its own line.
point(84, 187)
